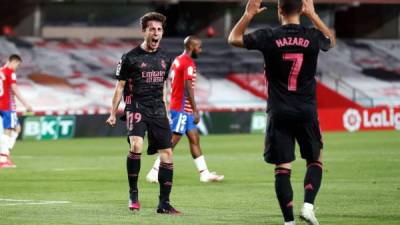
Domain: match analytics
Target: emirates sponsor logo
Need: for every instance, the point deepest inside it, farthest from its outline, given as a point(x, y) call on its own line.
point(153, 76)
point(354, 119)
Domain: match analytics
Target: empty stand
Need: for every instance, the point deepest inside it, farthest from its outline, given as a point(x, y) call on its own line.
point(225, 73)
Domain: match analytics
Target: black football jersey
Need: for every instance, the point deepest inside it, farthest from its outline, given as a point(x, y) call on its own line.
point(145, 74)
point(290, 56)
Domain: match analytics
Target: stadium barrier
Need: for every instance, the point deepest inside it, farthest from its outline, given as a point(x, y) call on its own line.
point(345, 119)
point(360, 119)
point(52, 127)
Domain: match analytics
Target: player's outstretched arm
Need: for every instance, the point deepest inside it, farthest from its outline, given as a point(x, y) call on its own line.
point(309, 11)
point(119, 88)
point(236, 36)
point(17, 94)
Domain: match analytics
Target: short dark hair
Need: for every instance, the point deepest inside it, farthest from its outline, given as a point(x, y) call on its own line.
point(189, 40)
point(152, 16)
point(290, 7)
point(14, 57)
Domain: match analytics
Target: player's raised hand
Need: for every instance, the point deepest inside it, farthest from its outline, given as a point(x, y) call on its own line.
point(308, 7)
point(111, 120)
point(253, 7)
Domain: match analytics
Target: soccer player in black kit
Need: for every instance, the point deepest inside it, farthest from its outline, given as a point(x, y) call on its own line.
point(290, 55)
point(141, 76)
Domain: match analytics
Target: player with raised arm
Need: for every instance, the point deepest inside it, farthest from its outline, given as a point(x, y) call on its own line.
point(8, 92)
point(183, 109)
point(290, 55)
point(141, 76)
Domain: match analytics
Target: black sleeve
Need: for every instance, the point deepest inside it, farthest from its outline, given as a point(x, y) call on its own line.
point(121, 73)
point(258, 39)
point(323, 41)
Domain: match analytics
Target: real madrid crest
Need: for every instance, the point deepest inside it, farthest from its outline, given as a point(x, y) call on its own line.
point(164, 66)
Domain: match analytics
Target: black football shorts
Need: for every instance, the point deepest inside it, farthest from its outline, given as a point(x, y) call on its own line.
point(282, 134)
point(158, 130)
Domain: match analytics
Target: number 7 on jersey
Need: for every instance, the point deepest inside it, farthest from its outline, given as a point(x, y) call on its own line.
point(297, 59)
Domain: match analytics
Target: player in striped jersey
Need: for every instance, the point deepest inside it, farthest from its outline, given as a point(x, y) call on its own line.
point(183, 109)
point(8, 92)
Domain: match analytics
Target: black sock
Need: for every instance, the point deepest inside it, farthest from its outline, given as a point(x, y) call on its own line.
point(165, 175)
point(312, 181)
point(133, 169)
point(284, 192)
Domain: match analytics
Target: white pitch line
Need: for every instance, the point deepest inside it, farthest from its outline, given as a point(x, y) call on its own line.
point(35, 203)
point(29, 202)
point(15, 200)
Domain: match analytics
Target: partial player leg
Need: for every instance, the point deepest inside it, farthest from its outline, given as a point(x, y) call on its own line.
point(199, 160)
point(176, 137)
point(279, 150)
point(14, 135)
point(152, 176)
point(309, 138)
point(312, 182)
point(5, 140)
point(284, 191)
point(4, 150)
point(165, 179)
point(133, 169)
point(11, 142)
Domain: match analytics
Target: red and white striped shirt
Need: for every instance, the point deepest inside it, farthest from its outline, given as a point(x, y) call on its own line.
point(183, 68)
point(7, 78)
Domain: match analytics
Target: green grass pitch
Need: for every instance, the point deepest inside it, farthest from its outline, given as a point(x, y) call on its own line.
point(361, 183)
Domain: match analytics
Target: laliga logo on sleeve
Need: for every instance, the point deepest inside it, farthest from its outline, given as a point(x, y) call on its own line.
point(352, 120)
point(118, 71)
